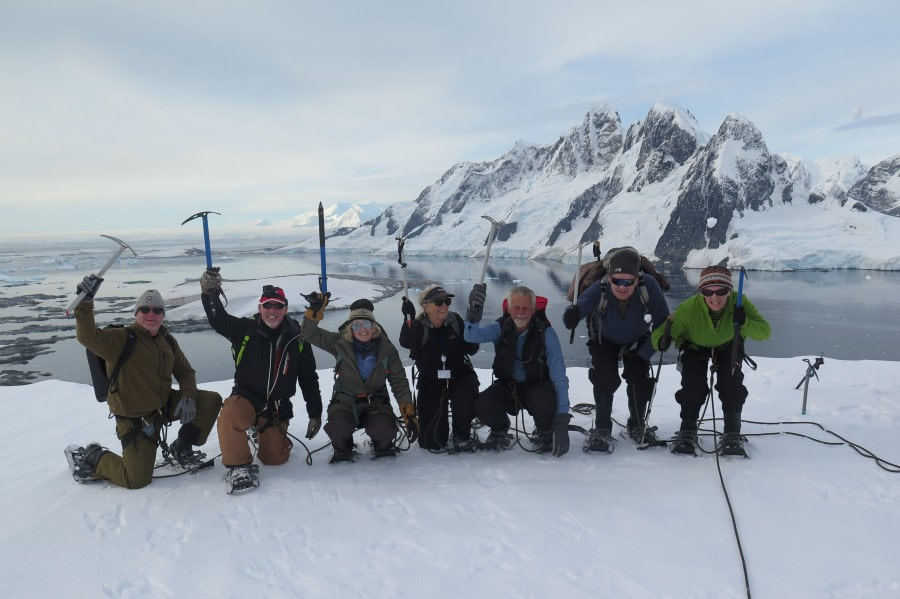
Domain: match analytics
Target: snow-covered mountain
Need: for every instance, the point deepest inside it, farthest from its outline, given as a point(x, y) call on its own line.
point(662, 185)
point(341, 216)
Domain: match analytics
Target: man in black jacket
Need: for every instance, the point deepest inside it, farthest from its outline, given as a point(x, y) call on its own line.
point(270, 358)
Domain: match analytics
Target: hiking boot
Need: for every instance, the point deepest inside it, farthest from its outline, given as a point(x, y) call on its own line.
point(600, 441)
point(185, 456)
point(498, 440)
point(386, 452)
point(639, 435)
point(83, 461)
point(542, 441)
point(463, 444)
point(685, 442)
point(731, 444)
point(342, 456)
point(241, 478)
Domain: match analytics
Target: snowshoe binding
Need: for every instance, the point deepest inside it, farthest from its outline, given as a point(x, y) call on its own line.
point(645, 437)
point(384, 452)
point(732, 444)
point(240, 479)
point(340, 456)
point(599, 441)
point(83, 461)
point(497, 441)
point(685, 443)
point(183, 458)
point(462, 445)
point(542, 441)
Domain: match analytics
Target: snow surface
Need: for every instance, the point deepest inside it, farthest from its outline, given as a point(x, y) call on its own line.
point(814, 520)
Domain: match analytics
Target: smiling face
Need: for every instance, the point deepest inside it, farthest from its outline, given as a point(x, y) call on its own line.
point(272, 313)
point(716, 302)
point(625, 287)
point(150, 321)
point(362, 329)
point(436, 314)
point(521, 309)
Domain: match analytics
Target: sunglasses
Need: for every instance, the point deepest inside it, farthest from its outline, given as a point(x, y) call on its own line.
point(361, 325)
point(720, 292)
point(623, 282)
point(148, 309)
point(273, 305)
point(441, 302)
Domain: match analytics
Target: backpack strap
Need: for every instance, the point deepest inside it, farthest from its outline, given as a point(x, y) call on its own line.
point(130, 342)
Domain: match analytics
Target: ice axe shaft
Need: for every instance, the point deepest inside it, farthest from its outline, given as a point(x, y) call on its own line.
point(323, 280)
point(122, 247)
point(203, 215)
point(495, 227)
point(401, 242)
point(577, 283)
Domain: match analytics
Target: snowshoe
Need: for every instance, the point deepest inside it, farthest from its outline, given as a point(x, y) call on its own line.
point(182, 457)
point(542, 441)
point(343, 456)
point(239, 479)
point(462, 445)
point(497, 441)
point(384, 452)
point(599, 441)
point(83, 461)
point(732, 444)
point(685, 443)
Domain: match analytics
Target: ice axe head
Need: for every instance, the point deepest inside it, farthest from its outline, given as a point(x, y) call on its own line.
point(122, 244)
point(205, 233)
point(199, 215)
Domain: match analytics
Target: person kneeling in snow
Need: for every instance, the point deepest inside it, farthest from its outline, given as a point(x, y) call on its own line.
point(141, 398)
point(270, 359)
point(703, 331)
point(365, 362)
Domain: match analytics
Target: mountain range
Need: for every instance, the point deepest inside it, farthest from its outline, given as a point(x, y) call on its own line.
point(662, 185)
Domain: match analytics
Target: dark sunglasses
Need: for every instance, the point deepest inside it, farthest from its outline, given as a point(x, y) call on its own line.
point(273, 305)
point(719, 292)
point(440, 302)
point(623, 282)
point(148, 309)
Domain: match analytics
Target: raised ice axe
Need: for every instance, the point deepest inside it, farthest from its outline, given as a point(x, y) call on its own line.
point(122, 247)
point(495, 228)
point(205, 233)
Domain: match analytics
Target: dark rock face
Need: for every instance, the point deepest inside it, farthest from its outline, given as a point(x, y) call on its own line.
point(874, 191)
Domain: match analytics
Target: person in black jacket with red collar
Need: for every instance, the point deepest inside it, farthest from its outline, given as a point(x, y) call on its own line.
point(270, 358)
point(445, 375)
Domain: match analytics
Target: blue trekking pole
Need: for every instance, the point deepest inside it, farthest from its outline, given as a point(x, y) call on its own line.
point(323, 280)
point(203, 215)
point(737, 326)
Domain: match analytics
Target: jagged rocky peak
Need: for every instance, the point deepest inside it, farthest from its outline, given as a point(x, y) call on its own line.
point(591, 145)
point(666, 139)
point(880, 188)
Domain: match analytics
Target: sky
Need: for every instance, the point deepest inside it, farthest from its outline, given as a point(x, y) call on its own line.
point(118, 116)
point(812, 520)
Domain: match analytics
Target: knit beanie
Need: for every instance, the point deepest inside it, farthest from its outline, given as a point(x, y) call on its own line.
point(150, 298)
point(715, 275)
point(625, 261)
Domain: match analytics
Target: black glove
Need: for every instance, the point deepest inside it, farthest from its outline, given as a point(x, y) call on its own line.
point(317, 302)
point(89, 285)
point(210, 281)
point(408, 309)
point(740, 315)
point(572, 316)
point(561, 434)
point(477, 297)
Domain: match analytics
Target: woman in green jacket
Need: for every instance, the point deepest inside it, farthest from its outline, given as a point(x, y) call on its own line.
point(703, 331)
point(366, 362)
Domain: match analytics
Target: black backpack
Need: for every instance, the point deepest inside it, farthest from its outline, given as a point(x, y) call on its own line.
point(97, 365)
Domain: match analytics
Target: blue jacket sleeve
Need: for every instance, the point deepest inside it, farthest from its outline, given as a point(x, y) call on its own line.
point(557, 366)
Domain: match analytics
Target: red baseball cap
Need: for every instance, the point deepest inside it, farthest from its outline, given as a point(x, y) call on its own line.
point(270, 292)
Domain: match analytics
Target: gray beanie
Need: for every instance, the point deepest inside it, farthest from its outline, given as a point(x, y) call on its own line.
point(150, 298)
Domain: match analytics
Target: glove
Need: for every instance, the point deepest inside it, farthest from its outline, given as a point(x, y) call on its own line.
point(477, 297)
point(408, 309)
point(89, 285)
point(313, 428)
point(187, 407)
point(740, 315)
point(210, 281)
point(572, 316)
point(561, 434)
point(317, 302)
point(410, 422)
point(664, 343)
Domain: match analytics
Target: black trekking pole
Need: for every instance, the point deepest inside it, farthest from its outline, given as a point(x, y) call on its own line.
point(323, 280)
point(122, 247)
point(575, 293)
point(737, 327)
point(812, 369)
point(667, 333)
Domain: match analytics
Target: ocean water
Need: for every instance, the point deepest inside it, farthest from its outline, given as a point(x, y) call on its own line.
point(840, 314)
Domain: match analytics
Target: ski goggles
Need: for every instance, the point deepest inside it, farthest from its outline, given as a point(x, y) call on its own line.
point(720, 292)
point(273, 305)
point(148, 310)
point(440, 302)
point(362, 325)
point(623, 282)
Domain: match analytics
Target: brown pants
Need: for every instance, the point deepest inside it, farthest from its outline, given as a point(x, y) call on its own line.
point(237, 415)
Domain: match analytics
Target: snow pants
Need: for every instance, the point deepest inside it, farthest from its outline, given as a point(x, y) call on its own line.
point(695, 387)
point(604, 376)
point(238, 415)
point(503, 399)
point(434, 397)
point(380, 425)
point(134, 468)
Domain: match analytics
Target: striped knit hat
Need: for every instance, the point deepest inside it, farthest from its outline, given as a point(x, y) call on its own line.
point(715, 275)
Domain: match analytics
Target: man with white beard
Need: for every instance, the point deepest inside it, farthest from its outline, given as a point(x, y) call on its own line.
point(529, 370)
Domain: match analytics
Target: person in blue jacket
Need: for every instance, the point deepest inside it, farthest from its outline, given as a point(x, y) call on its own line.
point(529, 370)
point(622, 309)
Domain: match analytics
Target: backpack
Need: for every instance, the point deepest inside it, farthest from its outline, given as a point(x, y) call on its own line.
point(596, 270)
point(97, 365)
point(453, 321)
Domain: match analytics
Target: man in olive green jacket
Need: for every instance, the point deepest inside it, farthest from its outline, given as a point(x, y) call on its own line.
point(141, 398)
point(702, 328)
